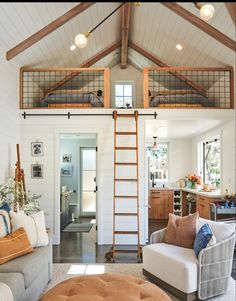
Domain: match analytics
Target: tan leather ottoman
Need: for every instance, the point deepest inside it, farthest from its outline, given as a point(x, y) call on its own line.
point(107, 287)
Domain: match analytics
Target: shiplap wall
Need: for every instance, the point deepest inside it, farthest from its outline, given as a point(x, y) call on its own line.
point(48, 130)
point(9, 117)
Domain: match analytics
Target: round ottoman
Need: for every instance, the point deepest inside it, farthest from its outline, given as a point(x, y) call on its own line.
point(107, 287)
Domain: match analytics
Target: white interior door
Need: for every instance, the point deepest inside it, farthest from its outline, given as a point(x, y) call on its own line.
point(88, 181)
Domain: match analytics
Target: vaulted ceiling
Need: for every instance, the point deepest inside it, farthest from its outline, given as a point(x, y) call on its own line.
point(153, 27)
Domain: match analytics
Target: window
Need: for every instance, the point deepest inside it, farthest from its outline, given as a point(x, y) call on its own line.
point(159, 162)
point(124, 95)
point(210, 170)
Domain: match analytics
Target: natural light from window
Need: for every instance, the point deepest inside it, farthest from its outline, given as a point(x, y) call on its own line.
point(210, 169)
point(123, 95)
point(159, 162)
point(86, 269)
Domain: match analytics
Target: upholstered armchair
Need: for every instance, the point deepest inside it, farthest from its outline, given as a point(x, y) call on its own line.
point(178, 270)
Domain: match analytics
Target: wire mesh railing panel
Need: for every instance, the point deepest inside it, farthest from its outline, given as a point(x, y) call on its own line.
point(64, 88)
point(189, 88)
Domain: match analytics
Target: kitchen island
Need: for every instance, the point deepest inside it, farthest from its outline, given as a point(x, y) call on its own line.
point(163, 201)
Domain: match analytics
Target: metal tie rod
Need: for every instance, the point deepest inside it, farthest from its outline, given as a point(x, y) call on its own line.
point(83, 114)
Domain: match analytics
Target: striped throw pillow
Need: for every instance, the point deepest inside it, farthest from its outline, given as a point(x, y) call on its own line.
point(5, 223)
point(14, 245)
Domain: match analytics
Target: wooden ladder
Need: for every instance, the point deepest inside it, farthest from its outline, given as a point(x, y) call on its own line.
point(114, 250)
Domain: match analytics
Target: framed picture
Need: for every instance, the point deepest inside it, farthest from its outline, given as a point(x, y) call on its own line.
point(66, 158)
point(36, 171)
point(37, 149)
point(66, 171)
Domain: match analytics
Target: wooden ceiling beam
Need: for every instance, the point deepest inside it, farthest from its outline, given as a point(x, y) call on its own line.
point(231, 7)
point(194, 20)
point(47, 29)
point(160, 63)
point(125, 22)
point(86, 64)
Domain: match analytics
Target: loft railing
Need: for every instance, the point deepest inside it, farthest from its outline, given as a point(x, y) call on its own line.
point(64, 88)
point(186, 87)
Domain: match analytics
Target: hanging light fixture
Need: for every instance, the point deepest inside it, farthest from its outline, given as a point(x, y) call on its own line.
point(206, 10)
point(81, 40)
point(154, 143)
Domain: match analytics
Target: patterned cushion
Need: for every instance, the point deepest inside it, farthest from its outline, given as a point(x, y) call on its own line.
point(5, 223)
point(204, 238)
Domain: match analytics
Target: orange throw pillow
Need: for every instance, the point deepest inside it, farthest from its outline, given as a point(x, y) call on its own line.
point(14, 245)
point(181, 231)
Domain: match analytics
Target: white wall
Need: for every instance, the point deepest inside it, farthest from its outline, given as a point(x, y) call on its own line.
point(48, 130)
point(227, 133)
point(128, 74)
point(9, 116)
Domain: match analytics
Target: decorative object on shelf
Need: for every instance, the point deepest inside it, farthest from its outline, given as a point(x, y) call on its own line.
point(66, 158)
point(194, 180)
point(36, 171)
point(66, 171)
point(206, 10)
point(36, 149)
point(18, 200)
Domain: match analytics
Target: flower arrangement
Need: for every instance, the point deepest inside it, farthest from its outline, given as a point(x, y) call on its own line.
point(12, 194)
point(192, 180)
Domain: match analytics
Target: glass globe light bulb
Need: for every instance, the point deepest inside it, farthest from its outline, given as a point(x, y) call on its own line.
point(81, 40)
point(207, 12)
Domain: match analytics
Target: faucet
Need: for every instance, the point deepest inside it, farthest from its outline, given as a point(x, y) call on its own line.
point(152, 178)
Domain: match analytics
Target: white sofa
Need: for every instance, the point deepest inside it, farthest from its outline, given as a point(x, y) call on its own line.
point(178, 270)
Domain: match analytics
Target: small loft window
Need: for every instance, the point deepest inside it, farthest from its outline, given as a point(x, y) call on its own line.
point(124, 95)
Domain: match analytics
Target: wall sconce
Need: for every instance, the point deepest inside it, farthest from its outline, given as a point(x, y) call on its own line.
point(206, 10)
point(154, 143)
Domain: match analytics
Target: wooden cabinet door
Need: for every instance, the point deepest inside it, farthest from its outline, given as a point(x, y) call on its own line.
point(154, 202)
point(166, 204)
point(203, 207)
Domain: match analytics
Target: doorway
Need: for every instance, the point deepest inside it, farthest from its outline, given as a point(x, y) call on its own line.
point(78, 195)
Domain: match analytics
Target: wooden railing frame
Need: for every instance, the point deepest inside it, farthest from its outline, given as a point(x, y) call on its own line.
point(171, 69)
point(106, 82)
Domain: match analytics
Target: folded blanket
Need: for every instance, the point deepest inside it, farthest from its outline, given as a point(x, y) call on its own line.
point(5, 292)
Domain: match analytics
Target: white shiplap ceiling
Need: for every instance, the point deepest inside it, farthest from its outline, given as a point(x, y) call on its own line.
point(153, 27)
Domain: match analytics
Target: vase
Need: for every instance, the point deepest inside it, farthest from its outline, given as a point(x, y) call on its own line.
point(194, 185)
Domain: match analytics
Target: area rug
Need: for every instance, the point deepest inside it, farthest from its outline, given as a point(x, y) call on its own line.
point(73, 227)
point(65, 271)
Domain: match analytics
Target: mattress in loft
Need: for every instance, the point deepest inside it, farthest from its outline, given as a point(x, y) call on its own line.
point(188, 99)
point(73, 98)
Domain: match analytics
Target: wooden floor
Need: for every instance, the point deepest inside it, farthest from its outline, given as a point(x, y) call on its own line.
point(82, 248)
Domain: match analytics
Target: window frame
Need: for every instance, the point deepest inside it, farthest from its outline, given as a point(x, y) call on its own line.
point(130, 83)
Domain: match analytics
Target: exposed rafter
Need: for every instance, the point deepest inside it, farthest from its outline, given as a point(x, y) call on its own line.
point(194, 20)
point(231, 7)
point(160, 63)
point(86, 64)
point(48, 29)
point(125, 20)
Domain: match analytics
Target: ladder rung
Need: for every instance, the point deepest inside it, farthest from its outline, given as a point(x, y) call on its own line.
point(125, 148)
point(126, 251)
point(125, 133)
point(125, 115)
point(126, 180)
point(126, 196)
point(125, 163)
point(126, 214)
point(126, 232)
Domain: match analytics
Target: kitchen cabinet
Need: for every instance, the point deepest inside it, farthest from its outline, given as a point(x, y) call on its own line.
point(160, 204)
point(203, 206)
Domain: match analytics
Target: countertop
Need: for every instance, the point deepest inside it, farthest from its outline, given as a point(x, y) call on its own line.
point(211, 194)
